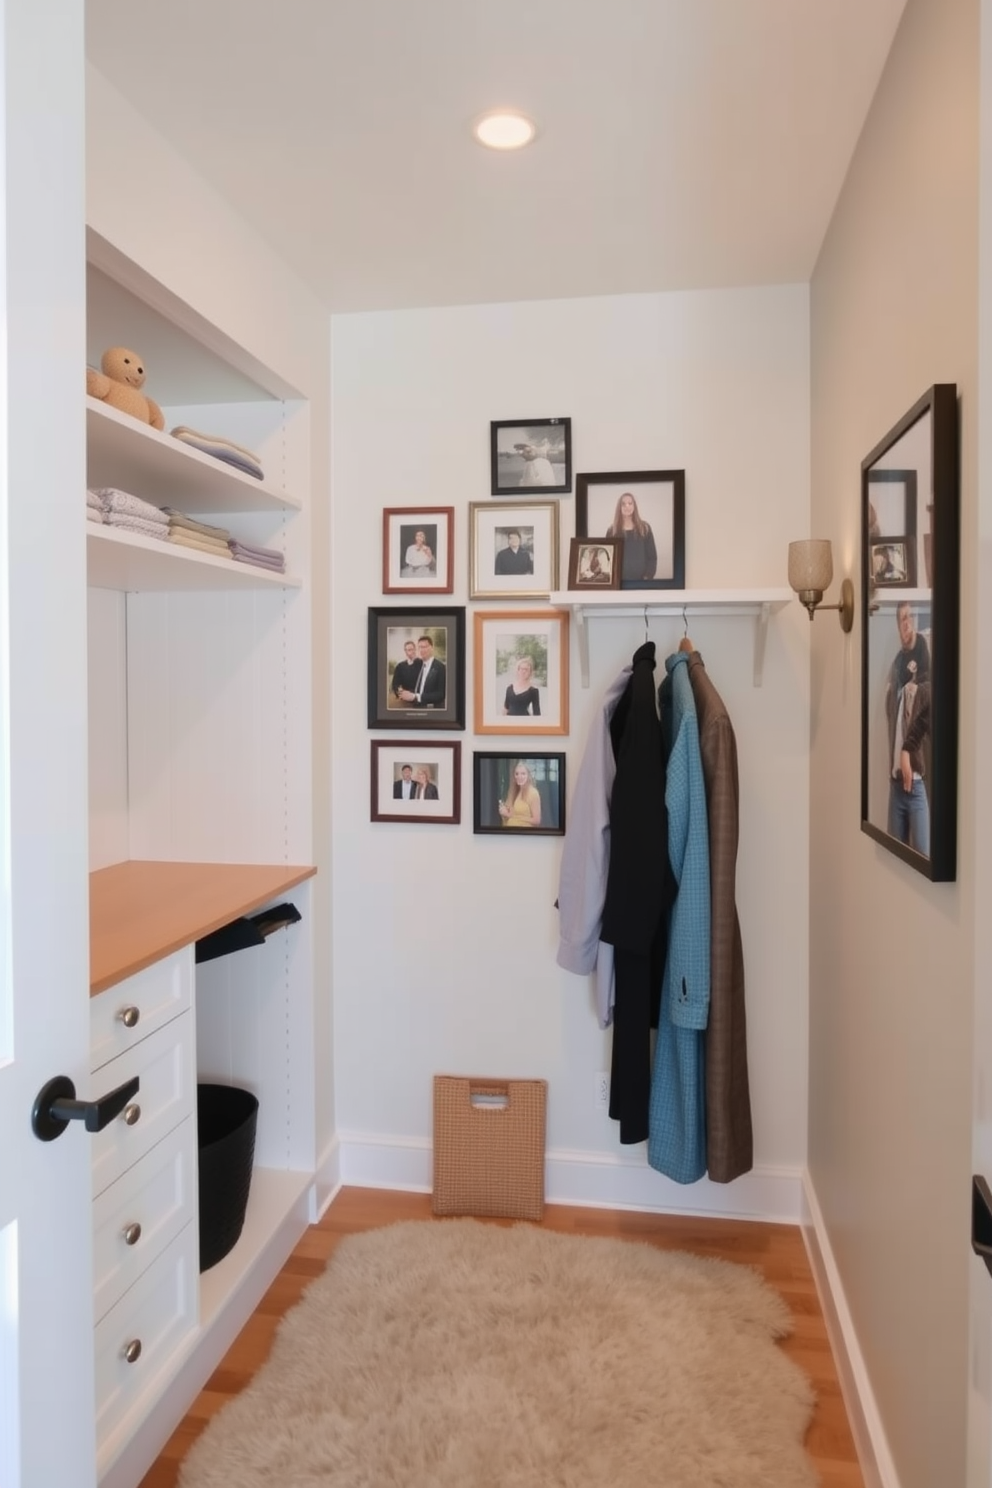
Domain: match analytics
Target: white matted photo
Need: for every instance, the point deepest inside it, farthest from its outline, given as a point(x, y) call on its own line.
point(645, 509)
point(414, 781)
point(521, 672)
point(513, 549)
point(418, 549)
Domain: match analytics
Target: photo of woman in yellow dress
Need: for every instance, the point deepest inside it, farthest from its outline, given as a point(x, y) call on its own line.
point(522, 807)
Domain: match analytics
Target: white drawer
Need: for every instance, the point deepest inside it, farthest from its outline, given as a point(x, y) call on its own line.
point(143, 1212)
point(159, 1313)
point(148, 999)
point(167, 1095)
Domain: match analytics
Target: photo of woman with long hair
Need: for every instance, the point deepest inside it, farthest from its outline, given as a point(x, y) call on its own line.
point(640, 554)
point(522, 697)
point(522, 806)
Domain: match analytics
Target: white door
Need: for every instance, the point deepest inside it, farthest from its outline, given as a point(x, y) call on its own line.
point(46, 1310)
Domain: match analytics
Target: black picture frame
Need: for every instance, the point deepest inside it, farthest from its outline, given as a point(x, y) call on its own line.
point(390, 630)
point(492, 777)
point(513, 474)
point(659, 500)
point(909, 645)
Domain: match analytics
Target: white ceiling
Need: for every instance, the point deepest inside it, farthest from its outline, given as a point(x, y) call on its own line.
point(683, 143)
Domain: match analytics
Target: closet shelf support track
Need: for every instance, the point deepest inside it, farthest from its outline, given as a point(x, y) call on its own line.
point(756, 604)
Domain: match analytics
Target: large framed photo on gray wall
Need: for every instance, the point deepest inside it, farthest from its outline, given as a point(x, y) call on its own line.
point(909, 660)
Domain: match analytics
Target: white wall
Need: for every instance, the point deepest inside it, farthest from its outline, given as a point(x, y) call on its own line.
point(894, 309)
point(444, 941)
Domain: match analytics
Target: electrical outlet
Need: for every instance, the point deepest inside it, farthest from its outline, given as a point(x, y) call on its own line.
point(602, 1090)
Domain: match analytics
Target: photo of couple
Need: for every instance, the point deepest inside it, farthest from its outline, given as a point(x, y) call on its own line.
point(415, 783)
point(419, 679)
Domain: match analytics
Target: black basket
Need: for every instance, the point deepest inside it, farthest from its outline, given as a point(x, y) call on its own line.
point(226, 1118)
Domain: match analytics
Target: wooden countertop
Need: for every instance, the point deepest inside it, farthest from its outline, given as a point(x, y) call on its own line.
point(140, 912)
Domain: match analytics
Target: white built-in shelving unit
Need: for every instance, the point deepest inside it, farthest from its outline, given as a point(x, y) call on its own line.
point(755, 604)
point(199, 678)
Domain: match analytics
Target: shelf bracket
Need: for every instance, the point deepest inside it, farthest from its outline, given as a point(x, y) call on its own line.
point(760, 636)
point(582, 633)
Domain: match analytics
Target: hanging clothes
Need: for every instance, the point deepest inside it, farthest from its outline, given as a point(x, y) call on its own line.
point(677, 1120)
point(616, 886)
point(729, 1138)
point(639, 892)
point(585, 859)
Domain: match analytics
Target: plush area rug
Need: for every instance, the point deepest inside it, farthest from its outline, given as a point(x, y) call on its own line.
point(455, 1354)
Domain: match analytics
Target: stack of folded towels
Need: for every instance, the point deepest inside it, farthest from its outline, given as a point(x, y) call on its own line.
point(221, 449)
point(187, 533)
point(129, 513)
point(268, 558)
point(94, 507)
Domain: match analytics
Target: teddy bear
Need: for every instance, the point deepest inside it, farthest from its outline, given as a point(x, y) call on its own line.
point(119, 383)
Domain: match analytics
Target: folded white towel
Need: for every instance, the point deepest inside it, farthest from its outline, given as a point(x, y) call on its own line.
point(93, 500)
point(114, 500)
point(126, 523)
point(94, 514)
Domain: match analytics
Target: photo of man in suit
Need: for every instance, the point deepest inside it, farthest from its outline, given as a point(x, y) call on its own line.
point(429, 689)
point(405, 676)
point(404, 789)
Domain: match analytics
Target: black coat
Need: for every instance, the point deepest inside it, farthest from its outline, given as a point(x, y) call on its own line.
point(640, 889)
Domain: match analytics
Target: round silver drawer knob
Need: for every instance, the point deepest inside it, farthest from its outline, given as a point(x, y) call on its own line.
point(132, 1234)
point(132, 1113)
point(132, 1351)
point(129, 1016)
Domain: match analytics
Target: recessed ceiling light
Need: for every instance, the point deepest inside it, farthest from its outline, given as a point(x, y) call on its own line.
point(504, 129)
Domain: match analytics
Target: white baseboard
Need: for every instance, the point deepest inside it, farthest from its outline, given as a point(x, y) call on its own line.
point(593, 1180)
point(877, 1466)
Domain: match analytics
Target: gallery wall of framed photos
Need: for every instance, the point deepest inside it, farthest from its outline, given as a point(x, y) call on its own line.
point(629, 534)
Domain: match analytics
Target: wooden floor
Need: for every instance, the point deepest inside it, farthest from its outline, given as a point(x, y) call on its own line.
point(776, 1250)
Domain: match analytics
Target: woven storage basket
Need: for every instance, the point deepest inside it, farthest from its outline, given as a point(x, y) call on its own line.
point(489, 1146)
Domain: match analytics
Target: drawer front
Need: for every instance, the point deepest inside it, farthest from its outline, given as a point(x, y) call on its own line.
point(143, 1212)
point(147, 1000)
point(167, 1095)
point(159, 1313)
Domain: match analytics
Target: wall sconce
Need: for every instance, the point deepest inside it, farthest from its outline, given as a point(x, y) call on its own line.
point(811, 571)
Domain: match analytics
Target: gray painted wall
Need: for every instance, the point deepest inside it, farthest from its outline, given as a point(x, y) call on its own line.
point(894, 307)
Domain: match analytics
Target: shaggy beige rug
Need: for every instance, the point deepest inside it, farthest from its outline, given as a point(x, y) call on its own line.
point(453, 1354)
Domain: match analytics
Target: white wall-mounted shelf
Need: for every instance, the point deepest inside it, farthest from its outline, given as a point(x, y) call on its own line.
point(135, 457)
point(128, 561)
point(621, 604)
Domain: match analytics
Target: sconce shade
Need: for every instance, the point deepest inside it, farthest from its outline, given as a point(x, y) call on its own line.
point(811, 565)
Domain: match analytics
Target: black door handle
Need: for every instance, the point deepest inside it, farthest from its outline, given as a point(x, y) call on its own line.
point(56, 1105)
point(981, 1219)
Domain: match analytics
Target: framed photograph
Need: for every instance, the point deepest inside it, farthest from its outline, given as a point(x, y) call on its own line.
point(909, 640)
point(519, 791)
point(513, 549)
point(595, 563)
point(646, 510)
point(416, 668)
point(414, 781)
point(418, 553)
point(893, 562)
point(531, 454)
point(521, 672)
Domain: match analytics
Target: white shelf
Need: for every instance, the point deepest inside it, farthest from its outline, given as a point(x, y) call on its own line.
point(117, 559)
point(135, 457)
point(274, 1196)
point(621, 604)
